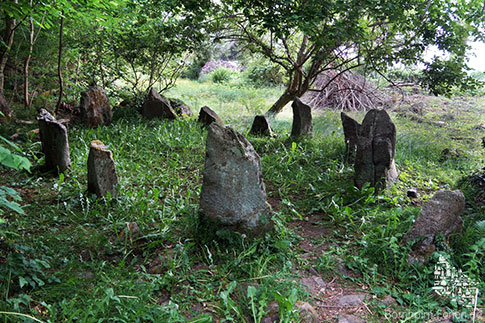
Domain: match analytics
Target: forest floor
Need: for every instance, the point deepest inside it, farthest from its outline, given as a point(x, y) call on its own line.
point(335, 255)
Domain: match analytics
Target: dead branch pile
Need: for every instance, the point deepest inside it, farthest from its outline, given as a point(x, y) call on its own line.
point(347, 91)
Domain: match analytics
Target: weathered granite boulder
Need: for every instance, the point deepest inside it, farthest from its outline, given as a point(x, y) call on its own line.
point(55, 144)
point(208, 116)
point(6, 112)
point(102, 178)
point(440, 215)
point(95, 107)
point(351, 132)
point(180, 108)
point(261, 126)
point(233, 192)
point(376, 147)
point(302, 119)
point(156, 106)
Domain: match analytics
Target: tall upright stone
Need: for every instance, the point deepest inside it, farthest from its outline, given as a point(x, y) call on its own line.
point(95, 107)
point(261, 126)
point(55, 144)
point(233, 192)
point(156, 106)
point(440, 215)
point(208, 116)
point(102, 178)
point(302, 119)
point(351, 132)
point(376, 147)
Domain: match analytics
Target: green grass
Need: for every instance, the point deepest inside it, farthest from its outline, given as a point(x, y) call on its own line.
point(70, 258)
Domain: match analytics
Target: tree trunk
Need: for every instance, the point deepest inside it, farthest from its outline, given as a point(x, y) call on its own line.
point(27, 62)
point(59, 63)
point(281, 102)
point(5, 48)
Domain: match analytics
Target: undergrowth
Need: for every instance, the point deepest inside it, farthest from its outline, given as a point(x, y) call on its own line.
point(72, 258)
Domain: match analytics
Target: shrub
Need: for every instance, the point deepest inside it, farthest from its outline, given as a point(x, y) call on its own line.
point(222, 75)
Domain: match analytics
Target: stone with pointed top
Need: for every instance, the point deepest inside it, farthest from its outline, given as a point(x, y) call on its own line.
point(351, 132)
point(55, 144)
point(261, 126)
point(208, 116)
point(95, 107)
point(233, 192)
point(302, 119)
point(376, 147)
point(102, 178)
point(156, 106)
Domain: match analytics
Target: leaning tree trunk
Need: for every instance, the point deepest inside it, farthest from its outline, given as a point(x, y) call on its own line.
point(298, 84)
point(59, 64)
point(5, 48)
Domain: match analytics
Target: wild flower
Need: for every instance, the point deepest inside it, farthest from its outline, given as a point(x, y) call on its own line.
point(211, 66)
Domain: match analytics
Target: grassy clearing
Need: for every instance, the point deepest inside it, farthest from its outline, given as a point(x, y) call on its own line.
point(71, 258)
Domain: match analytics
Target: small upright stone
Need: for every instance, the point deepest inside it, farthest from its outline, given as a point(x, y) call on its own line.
point(102, 178)
point(95, 107)
point(6, 112)
point(55, 144)
point(351, 132)
point(156, 106)
point(261, 126)
point(233, 192)
point(376, 147)
point(208, 116)
point(302, 119)
point(441, 215)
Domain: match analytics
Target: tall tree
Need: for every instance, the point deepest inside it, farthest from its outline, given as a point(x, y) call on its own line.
point(309, 37)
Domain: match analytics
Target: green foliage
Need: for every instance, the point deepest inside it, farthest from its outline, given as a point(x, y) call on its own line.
point(222, 75)
point(441, 77)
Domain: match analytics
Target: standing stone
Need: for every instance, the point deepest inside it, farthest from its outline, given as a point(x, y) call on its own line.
point(181, 108)
point(55, 144)
point(440, 215)
point(6, 112)
point(376, 147)
point(95, 107)
point(261, 126)
point(233, 192)
point(351, 132)
point(156, 106)
point(102, 178)
point(302, 119)
point(208, 116)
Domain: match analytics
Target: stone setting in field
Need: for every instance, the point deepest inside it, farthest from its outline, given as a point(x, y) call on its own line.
point(302, 119)
point(55, 144)
point(261, 126)
point(102, 178)
point(156, 106)
point(233, 192)
point(376, 147)
point(208, 116)
point(95, 108)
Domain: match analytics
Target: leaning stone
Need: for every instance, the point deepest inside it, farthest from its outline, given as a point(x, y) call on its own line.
point(95, 108)
point(102, 178)
point(376, 147)
point(351, 132)
point(180, 108)
point(156, 106)
point(208, 116)
point(441, 215)
point(5, 111)
point(55, 144)
point(302, 119)
point(261, 126)
point(233, 192)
